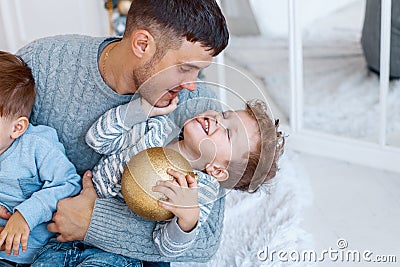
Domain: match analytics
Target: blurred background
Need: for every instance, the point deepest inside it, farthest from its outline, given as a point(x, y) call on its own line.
point(332, 113)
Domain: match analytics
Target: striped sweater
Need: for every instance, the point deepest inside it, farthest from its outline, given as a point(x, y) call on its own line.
point(113, 136)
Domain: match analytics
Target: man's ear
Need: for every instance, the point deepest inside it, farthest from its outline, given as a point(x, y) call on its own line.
point(19, 127)
point(218, 172)
point(142, 43)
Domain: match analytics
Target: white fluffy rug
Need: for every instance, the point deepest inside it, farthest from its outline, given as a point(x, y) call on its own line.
point(270, 217)
point(341, 96)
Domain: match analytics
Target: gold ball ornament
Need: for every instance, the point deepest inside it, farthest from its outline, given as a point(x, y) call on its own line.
point(123, 7)
point(142, 173)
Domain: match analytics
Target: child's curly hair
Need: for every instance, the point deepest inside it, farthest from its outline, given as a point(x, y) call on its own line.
point(262, 163)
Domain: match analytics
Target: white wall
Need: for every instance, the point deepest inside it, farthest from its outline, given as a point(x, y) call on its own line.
point(272, 15)
point(2, 36)
point(25, 20)
point(22, 21)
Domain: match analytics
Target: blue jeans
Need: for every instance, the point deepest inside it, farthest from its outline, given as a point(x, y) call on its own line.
point(6, 263)
point(71, 254)
point(156, 264)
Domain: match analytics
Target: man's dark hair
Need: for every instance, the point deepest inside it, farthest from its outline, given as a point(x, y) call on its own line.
point(170, 20)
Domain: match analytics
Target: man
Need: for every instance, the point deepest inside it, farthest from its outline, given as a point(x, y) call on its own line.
point(79, 78)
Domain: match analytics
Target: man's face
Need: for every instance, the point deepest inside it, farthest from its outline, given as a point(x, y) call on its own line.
point(177, 70)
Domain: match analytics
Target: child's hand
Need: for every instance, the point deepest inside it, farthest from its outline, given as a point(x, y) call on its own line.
point(15, 232)
point(182, 199)
point(4, 213)
point(152, 111)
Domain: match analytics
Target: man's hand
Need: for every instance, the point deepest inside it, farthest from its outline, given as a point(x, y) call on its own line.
point(156, 111)
point(73, 215)
point(182, 199)
point(16, 232)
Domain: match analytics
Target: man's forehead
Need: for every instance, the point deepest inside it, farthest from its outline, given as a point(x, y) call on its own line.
point(195, 51)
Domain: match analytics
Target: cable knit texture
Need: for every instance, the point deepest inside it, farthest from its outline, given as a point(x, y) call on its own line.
point(70, 91)
point(111, 135)
point(71, 95)
point(123, 227)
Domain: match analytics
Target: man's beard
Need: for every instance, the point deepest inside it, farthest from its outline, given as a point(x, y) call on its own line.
point(142, 75)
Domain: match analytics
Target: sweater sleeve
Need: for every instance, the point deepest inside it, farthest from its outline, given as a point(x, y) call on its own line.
point(114, 130)
point(192, 103)
point(152, 133)
point(59, 179)
point(169, 238)
point(114, 228)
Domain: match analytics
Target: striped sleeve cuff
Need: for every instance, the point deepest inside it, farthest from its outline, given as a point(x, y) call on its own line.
point(171, 240)
point(176, 235)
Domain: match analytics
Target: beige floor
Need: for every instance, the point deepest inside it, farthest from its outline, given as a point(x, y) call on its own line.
point(355, 203)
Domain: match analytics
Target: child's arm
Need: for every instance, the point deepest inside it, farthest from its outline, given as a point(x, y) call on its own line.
point(121, 127)
point(153, 133)
point(182, 199)
point(14, 233)
point(195, 102)
point(176, 236)
point(59, 180)
point(113, 131)
point(56, 179)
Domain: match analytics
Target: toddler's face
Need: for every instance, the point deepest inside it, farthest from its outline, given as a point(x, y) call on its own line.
point(221, 137)
point(6, 127)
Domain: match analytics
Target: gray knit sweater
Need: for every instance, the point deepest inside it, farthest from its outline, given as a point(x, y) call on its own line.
point(71, 95)
point(114, 136)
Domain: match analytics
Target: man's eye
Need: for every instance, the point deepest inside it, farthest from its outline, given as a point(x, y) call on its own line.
point(183, 69)
point(228, 133)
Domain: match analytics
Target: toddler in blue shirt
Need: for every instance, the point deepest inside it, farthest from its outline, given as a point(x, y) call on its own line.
point(35, 173)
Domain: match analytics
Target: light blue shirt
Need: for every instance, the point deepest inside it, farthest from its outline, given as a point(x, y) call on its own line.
point(34, 174)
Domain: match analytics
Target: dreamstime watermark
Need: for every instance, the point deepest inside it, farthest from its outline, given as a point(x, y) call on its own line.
point(339, 254)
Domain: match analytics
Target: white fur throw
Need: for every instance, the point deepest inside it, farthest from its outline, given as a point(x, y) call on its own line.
point(270, 218)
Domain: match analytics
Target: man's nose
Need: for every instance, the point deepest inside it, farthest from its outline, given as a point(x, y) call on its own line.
point(191, 86)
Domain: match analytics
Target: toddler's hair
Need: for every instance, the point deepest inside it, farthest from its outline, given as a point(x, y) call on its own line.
point(17, 86)
point(262, 163)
